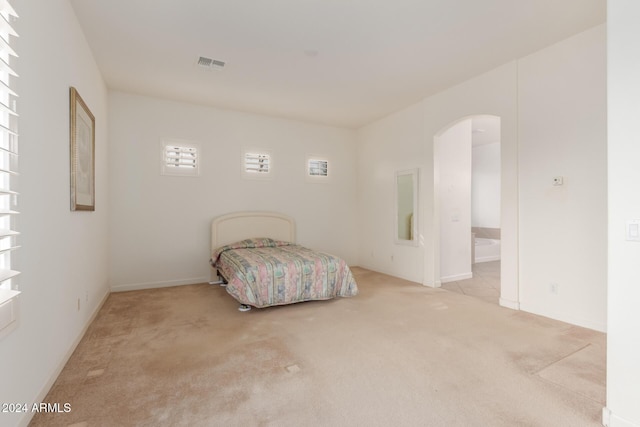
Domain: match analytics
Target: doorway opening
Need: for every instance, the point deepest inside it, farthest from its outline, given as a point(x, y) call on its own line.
point(467, 168)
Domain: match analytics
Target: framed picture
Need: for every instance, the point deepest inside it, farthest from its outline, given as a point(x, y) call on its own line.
point(82, 135)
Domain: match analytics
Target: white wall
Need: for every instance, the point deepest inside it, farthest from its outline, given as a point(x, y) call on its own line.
point(160, 224)
point(64, 254)
point(452, 155)
point(578, 124)
point(623, 351)
point(404, 140)
point(485, 186)
point(563, 235)
point(385, 147)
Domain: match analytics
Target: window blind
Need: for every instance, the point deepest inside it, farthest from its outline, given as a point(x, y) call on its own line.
point(180, 158)
point(318, 167)
point(8, 146)
point(257, 163)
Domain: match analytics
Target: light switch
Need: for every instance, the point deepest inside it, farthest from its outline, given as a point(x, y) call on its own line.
point(558, 180)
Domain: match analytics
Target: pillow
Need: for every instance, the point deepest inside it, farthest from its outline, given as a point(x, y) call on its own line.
point(256, 242)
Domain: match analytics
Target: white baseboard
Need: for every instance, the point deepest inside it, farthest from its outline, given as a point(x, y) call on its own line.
point(436, 284)
point(542, 311)
point(456, 277)
point(514, 305)
point(609, 419)
point(24, 422)
point(392, 274)
point(487, 258)
point(153, 285)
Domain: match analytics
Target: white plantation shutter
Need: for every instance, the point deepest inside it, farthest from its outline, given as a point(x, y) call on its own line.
point(257, 163)
point(180, 159)
point(8, 146)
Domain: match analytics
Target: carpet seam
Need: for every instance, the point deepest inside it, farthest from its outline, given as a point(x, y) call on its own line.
point(537, 374)
point(559, 360)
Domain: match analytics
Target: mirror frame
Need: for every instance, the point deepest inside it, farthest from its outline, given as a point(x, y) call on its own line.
point(414, 173)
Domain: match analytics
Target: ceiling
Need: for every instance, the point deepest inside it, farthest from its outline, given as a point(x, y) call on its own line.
point(338, 62)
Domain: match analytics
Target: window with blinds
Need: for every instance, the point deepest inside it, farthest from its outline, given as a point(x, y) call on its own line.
point(179, 158)
point(8, 152)
point(319, 168)
point(257, 164)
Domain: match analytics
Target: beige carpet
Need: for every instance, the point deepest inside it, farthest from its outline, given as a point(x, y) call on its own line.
point(397, 354)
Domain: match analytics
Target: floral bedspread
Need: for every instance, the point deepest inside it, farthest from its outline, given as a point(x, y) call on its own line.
point(264, 272)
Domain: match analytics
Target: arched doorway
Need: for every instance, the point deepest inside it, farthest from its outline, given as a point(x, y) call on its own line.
point(465, 203)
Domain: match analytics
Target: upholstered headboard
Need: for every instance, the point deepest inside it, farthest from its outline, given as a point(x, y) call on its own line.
point(237, 226)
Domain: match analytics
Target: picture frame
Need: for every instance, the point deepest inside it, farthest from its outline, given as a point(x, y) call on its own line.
point(82, 134)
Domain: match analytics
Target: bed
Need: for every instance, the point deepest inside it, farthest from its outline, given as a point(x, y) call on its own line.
point(257, 259)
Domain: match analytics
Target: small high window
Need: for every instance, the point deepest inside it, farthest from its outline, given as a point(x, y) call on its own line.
point(180, 158)
point(317, 167)
point(257, 164)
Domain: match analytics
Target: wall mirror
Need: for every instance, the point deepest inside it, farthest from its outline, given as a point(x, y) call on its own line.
point(406, 232)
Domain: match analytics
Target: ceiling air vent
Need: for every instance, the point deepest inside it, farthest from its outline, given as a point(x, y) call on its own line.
point(212, 64)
